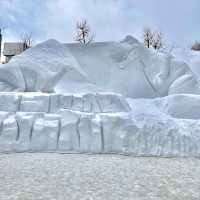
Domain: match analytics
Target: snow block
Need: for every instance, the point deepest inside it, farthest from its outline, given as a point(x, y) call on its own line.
point(54, 103)
point(9, 102)
point(34, 103)
point(25, 122)
point(112, 103)
point(69, 137)
point(39, 138)
point(182, 106)
point(66, 101)
point(102, 123)
point(52, 129)
point(85, 130)
point(9, 133)
point(90, 104)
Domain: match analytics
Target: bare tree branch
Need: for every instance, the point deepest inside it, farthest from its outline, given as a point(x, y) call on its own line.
point(83, 34)
point(147, 37)
point(157, 40)
point(27, 39)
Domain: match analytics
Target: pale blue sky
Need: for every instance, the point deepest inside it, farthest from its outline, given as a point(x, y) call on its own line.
point(179, 20)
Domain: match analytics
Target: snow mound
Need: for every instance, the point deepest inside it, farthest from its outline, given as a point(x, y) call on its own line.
point(126, 67)
point(180, 106)
point(192, 58)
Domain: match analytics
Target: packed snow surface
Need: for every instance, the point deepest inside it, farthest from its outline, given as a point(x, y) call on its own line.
point(109, 97)
point(97, 177)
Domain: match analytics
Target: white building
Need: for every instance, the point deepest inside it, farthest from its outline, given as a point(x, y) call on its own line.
point(12, 49)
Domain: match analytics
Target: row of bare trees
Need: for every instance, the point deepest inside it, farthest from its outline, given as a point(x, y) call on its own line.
point(27, 39)
point(153, 39)
point(84, 35)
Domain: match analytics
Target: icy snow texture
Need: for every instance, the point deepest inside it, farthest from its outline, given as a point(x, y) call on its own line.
point(100, 123)
point(125, 67)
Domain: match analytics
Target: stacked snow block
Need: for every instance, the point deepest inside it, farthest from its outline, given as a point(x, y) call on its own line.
point(52, 103)
point(89, 124)
point(55, 122)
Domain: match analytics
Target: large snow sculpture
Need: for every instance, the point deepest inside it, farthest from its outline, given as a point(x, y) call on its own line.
point(126, 67)
point(96, 119)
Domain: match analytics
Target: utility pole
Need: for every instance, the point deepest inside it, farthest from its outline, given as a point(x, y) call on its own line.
point(0, 44)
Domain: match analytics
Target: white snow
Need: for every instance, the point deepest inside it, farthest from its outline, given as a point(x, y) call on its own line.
point(192, 58)
point(125, 67)
point(107, 123)
point(109, 97)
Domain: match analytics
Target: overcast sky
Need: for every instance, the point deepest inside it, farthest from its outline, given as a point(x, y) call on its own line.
point(179, 20)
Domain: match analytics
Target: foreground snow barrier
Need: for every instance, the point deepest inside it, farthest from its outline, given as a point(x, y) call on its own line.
point(100, 123)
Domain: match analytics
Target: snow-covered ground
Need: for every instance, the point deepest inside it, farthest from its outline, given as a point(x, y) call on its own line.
point(98, 177)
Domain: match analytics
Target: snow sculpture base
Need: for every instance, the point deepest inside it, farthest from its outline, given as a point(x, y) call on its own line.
point(88, 123)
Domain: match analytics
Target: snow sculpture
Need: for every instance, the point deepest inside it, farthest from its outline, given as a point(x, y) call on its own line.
point(96, 123)
point(123, 67)
point(63, 98)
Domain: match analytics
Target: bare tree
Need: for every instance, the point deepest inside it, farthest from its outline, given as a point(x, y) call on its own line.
point(147, 37)
point(27, 39)
point(84, 35)
point(157, 40)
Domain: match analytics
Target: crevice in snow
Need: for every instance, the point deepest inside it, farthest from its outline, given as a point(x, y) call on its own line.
point(18, 129)
point(148, 80)
point(32, 129)
point(49, 104)
point(98, 103)
point(19, 103)
point(58, 133)
point(1, 127)
point(102, 136)
point(78, 132)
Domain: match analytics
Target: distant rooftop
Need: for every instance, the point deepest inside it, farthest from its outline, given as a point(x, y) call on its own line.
point(13, 48)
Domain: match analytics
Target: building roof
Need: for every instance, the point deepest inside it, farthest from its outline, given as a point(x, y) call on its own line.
point(13, 48)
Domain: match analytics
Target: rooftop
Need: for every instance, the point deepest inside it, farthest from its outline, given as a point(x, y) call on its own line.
point(13, 48)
